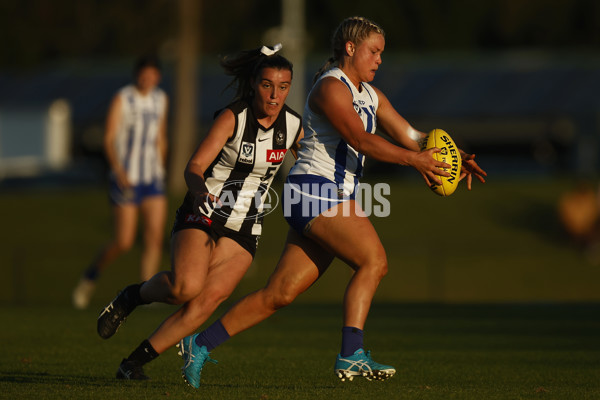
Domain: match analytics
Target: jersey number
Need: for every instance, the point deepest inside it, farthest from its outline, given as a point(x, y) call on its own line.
point(269, 173)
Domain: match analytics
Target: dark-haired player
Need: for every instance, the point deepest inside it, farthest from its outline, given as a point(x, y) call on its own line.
point(135, 144)
point(217, 227)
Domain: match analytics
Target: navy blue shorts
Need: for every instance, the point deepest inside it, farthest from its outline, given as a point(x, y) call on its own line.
point(135, 194)
point(305, 197)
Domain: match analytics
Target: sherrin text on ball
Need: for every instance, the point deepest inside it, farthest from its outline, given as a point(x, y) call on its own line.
point(449, 154)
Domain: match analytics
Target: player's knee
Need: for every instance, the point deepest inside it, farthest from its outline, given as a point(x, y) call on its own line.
point(383, 269)
point(123, 245)
point(183, 292)
point(280, 301)
point(283, 296)
point(214, 297)
point(378, 267)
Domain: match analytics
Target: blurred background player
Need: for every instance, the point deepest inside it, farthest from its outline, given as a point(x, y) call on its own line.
point(579, 214)
point(341, 115)
point(135, 143)
point(216, 229)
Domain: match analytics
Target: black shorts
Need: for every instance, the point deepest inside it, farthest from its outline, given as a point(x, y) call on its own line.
point(185, 218)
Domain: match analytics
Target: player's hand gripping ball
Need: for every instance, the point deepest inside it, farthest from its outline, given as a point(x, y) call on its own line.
point(449, 154)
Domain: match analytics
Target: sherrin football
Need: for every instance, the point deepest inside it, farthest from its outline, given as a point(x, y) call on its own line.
point(449, 154)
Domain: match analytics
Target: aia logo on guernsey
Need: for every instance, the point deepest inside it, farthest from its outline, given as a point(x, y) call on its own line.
point(198, 219)
point(275, 156)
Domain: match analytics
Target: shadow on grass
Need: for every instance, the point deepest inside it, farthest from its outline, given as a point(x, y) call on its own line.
point(45, 378)
point(255, 385)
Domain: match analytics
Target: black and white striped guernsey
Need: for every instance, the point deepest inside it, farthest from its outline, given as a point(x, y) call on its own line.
point(242, 173)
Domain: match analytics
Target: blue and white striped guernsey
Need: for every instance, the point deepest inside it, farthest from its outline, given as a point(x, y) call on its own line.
point(136, 140)
point(323, 151)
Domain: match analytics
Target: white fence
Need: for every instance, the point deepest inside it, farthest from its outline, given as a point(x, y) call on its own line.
point(35, 140)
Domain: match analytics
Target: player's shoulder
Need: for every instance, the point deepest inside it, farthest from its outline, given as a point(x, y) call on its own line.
point(225, 116)
point(287, 109)
point(127, 90)
point(237, 106)
point(162, 97)
point(331, 87)
point(160, 93)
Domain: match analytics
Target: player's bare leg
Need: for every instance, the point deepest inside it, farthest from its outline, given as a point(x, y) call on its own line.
point(125, 227)
point(154, 214)
point(295, 272)
point(191, 252)
point(228, 264)
point(346, 232)
point(190, 260)
point(301, 264)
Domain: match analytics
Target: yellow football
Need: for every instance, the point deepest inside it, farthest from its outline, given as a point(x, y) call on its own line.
point(449, 154)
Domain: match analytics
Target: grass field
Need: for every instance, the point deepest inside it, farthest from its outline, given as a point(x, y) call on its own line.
point(440, 352)
point(485, 299)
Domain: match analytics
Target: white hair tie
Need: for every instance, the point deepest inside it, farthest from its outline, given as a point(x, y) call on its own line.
point(268, 52)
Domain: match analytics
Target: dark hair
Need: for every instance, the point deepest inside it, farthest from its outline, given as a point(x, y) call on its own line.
point(146, 60)
point(245, 67)
point(352, 29)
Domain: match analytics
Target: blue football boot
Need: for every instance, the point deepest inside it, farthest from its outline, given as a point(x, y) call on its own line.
point(361, 364)
point(194, 358)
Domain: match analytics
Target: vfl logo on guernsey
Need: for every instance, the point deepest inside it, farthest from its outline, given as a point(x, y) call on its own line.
point(275, 156)
point(247, 153)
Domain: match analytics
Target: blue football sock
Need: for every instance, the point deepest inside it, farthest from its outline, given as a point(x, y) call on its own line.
point(91, 273)
point(212, 336)
point(352, 340)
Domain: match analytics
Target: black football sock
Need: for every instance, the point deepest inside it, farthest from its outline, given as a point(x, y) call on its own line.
point(143, 354)
point(133, 294)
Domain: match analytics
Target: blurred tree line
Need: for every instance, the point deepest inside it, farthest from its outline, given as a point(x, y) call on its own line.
point(35, 32)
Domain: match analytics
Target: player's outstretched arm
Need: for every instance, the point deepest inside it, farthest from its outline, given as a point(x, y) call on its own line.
point(331, 98)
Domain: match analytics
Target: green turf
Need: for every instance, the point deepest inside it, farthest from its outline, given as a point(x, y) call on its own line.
point(440, 352)
point(500, 242)
point(516, 315)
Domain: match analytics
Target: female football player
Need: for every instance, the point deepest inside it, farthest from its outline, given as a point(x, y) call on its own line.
point(217, 227)
point(340, 117)
point(135, 143)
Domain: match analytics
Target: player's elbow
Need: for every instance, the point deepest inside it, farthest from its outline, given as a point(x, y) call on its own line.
point(356, 143)
point(362, 143)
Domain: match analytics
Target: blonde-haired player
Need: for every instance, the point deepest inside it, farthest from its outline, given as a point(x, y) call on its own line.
point(341, 114)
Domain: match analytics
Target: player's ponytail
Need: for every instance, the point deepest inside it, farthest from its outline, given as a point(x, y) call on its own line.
point(246, 65)
point(328, 64)
point(352, 29)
